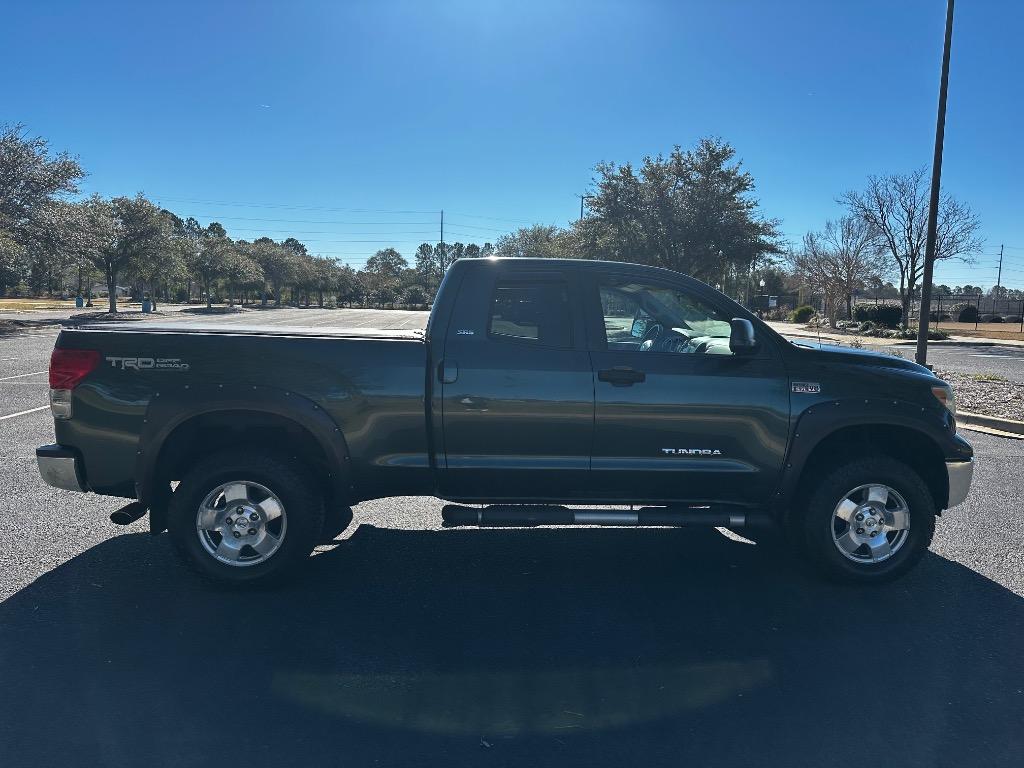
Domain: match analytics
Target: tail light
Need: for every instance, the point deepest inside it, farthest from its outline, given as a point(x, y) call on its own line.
point(67, 369)
point(69, 366)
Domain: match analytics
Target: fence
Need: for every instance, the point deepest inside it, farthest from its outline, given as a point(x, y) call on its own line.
point(980, 310)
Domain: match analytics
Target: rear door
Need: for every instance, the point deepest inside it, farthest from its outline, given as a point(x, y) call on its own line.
point(517, 388)
point(678, 416)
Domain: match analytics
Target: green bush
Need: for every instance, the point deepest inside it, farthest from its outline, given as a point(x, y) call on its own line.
point(968, 314)
point(933, 333)
point(802, 314)
point(991, 319)
point(887, 315)
point(1012, 319)
point(867, 326)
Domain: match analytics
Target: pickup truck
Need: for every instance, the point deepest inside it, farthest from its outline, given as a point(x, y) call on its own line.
point(543, 392)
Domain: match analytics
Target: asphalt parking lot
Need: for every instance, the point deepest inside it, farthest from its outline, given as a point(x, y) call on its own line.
point(404, 644)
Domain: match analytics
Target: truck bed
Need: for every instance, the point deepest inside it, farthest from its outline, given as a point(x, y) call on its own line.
point(369, 383)
point(213, 327)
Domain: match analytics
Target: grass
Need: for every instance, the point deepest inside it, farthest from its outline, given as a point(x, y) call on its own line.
point(28, 305)
point(987, 377)
point(19, 305)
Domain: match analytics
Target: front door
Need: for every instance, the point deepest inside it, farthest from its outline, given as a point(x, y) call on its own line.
point(517, 392)
point(678, 416)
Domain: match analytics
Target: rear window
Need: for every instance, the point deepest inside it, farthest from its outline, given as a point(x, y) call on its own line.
point(531, 313)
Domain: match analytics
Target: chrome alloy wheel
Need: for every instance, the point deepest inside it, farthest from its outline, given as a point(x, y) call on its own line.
point(241, 523)
point(870, 523)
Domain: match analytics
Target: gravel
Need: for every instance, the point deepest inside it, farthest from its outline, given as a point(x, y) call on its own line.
point(987, 394)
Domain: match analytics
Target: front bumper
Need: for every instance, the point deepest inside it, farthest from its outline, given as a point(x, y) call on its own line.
point(960, 474)
point(61, 467)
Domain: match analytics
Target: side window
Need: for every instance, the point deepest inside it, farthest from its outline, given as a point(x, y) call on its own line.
point(653, 317)
point(531, 313)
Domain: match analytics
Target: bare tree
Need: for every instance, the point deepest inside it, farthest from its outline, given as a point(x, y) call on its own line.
point(838, 260)
point(895, 208)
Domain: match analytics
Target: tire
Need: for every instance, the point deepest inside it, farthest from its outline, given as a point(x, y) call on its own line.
point(889, 537)
point(282, 518)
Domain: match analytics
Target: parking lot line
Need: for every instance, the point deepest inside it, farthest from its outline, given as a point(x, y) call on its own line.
point(22, 413)
point(22, 375)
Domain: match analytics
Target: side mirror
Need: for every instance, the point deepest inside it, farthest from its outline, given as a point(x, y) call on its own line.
point(741, 337)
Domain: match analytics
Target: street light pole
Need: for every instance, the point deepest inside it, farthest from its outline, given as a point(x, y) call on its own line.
point(933, 207)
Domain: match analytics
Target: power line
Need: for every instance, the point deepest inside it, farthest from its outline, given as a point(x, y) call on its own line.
point(329, 231)
point(236, 203)
point(492, 218)
point(312, 221)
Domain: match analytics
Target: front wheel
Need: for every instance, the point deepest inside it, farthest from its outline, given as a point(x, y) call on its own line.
point(868, 521)
point(245, 518)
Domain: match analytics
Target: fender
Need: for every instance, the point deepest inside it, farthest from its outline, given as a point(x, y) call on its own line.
point(821, 419)
point(172, 406)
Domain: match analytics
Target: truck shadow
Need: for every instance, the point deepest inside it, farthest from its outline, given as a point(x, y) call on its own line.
point(581, 647)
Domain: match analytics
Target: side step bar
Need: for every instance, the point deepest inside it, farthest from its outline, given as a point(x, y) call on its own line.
point(527, 515)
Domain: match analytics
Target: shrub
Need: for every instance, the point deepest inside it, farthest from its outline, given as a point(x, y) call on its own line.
point(936, 316)
point(891, 334)
point(888, 315)
point(991, 319)
point(1012, 319)
point(933, 334)
point(966, 313)
point(867, 326)
point(802, 314)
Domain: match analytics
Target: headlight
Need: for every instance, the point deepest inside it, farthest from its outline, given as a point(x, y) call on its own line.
point(944, 395)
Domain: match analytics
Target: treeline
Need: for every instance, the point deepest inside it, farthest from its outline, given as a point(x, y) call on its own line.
point(692, 211)
point(50, 242)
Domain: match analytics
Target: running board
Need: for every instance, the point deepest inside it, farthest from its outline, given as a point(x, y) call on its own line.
point(529, 515)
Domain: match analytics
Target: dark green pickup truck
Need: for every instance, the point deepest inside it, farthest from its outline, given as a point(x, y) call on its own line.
point(543, 392)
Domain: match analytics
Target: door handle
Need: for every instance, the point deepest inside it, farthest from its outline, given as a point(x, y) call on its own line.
point(621, 376)
point(448, 371)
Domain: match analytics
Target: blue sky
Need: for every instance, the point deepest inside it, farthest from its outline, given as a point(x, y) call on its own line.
point(351, 124)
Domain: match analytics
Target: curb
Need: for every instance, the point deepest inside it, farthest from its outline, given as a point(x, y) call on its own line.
point(991, 422)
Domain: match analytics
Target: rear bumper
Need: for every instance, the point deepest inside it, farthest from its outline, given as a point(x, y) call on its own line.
point(960, 474)
point(61, 467)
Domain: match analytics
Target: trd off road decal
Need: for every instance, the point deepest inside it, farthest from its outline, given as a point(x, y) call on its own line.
point(806, 387)
point(147, 363)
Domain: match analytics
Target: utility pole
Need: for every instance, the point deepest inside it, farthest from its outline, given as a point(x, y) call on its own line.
point(444, 256)
point(933, 207)
point(999, 280)
point(582, 198)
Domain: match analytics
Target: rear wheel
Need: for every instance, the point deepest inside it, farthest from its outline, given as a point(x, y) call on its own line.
point(244, 518)
point(868, 521)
